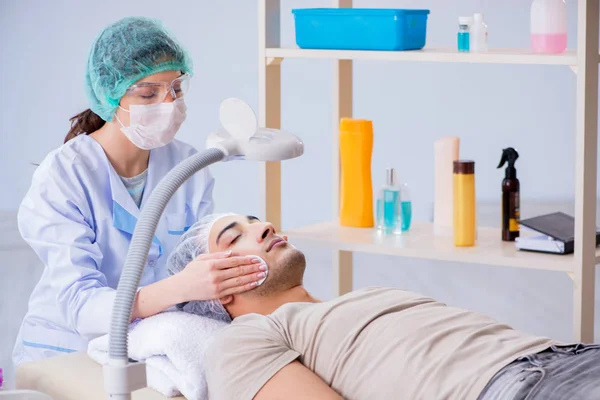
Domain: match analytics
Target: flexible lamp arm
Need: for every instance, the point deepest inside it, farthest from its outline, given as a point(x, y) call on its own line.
point(241, 138)
point(117, 385)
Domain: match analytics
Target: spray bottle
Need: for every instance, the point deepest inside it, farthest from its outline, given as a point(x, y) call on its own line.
point(510, 196)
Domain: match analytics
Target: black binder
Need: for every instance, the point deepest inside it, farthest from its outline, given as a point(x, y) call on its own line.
point(555, 234)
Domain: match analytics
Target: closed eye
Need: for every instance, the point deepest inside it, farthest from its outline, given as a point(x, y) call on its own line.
point(235, 240)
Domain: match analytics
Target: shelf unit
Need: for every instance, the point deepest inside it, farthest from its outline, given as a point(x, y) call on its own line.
point(420, 242)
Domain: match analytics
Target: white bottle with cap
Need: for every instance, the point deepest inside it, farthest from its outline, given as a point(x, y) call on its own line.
point(479, 34)
point(548, 26)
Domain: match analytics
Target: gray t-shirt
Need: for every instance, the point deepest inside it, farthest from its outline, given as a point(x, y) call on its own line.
point(373, 343)
point(135, 186)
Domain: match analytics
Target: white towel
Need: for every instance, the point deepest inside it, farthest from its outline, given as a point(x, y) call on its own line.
point(173, 345)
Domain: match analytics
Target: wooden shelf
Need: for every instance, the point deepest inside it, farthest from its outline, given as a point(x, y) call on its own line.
point(447, 55)
point(420, 242)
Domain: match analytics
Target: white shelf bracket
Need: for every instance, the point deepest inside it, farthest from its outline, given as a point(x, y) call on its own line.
point(586, 144)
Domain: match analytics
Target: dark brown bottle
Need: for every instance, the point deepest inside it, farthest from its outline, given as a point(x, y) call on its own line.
point(511, 213)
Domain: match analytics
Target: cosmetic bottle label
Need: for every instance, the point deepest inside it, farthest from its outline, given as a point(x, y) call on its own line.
point(515, 213)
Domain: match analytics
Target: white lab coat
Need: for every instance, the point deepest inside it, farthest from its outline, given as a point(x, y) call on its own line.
point(79, 219)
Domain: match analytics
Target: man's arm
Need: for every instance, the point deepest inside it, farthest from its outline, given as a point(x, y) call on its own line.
point(296, 382)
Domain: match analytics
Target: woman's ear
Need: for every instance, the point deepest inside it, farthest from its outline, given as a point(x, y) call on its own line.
point(226, 300)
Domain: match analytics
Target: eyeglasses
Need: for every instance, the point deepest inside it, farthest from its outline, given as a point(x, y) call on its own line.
point(156, 92)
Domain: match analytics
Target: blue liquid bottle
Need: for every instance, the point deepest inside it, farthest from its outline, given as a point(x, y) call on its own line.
point(405, 207)
point(389, 218)
point(464, 37)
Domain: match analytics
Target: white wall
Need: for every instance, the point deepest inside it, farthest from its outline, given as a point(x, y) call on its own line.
point(44, 47)
point(412, 104)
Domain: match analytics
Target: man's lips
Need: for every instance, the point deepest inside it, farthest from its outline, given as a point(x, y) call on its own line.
point(274, 243)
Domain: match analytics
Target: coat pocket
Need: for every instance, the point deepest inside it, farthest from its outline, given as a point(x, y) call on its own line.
point(177, 223)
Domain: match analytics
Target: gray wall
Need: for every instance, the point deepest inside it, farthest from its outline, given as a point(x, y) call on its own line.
point(44, 46)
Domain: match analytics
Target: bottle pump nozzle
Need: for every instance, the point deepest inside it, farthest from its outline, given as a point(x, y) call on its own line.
point(509, 155)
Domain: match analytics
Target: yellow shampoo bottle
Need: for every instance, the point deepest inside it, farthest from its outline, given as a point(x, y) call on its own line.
point(356, 187)
point(465, 223)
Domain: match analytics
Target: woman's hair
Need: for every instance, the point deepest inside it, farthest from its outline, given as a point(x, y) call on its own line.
point(85, 122)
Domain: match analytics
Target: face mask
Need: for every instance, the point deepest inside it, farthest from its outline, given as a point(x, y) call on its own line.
point(155, 125)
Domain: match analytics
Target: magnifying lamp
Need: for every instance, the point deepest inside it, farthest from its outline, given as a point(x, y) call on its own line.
point(240, 138)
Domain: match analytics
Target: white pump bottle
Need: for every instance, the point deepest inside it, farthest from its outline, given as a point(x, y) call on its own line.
point(479, 34)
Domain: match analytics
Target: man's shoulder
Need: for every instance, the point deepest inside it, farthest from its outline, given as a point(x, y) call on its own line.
point(245, 355)
point(249, 322)
point(370, 291)
point(241, 332)
point(376, 290)
point(246, 337)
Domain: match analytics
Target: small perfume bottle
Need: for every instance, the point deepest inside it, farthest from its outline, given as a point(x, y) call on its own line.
point(405, 207)
point(464, 36)
point(389, 220)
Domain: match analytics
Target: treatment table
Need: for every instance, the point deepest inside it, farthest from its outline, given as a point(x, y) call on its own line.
point(72, 377)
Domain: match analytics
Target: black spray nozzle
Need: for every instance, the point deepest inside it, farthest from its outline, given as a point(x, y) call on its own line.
point(509, 155)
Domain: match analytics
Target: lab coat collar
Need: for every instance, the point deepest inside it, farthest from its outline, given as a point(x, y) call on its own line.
point(118, 191)
point(121, 196)
point(125, 211)
point(124, 221)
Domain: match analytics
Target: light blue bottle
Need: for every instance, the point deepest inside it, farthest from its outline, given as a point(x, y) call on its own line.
point(464, 36)
point(405, 207)
point(389, 219)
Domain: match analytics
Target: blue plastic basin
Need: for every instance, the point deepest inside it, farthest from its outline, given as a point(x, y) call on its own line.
point(360, 28)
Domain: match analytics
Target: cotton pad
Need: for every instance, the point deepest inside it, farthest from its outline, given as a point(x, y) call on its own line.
point(266, 272)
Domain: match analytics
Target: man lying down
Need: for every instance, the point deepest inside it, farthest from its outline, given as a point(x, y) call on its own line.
point(373, 343)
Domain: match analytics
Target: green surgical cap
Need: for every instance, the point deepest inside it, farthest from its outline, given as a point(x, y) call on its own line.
point(126, 51)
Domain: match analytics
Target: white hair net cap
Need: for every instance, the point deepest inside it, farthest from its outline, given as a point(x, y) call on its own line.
point(192, 244)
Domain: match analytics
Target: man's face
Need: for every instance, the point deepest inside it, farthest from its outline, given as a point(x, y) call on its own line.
point(245, 236)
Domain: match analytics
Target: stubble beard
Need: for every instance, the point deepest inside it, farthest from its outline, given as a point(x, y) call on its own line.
point(288, 273)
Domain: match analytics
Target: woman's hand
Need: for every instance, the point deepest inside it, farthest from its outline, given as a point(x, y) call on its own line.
point(220, 275)
point(210, 276)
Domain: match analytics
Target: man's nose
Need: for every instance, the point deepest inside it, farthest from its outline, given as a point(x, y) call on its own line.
point(265, 231)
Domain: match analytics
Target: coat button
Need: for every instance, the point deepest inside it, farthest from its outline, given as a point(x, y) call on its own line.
point(151, 263)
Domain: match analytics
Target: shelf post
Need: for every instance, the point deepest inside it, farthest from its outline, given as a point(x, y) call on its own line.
point(342, 107)
point(585, 169)
point(269, 106)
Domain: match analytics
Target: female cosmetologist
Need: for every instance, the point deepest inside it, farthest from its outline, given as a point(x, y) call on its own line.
point(85, 197)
